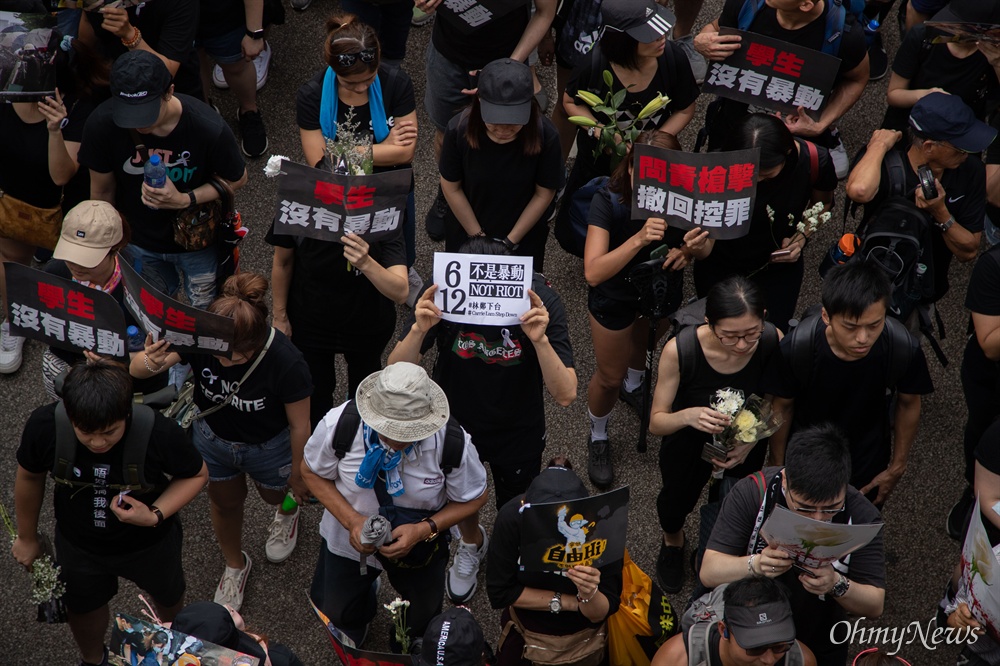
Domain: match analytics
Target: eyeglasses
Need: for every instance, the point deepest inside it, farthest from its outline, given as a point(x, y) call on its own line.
point(348, 59)
point(777, 649)
point(731, 340)
point(810, 509)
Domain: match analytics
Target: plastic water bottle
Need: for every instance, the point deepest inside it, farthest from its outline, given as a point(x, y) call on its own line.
point(839, 253)
point(136, 340)
point(154, 173)
point(871, 29)
point(289, 503)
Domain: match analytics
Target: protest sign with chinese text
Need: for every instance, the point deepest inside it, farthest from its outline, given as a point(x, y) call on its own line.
point(350, 655)
point(63, 313)
point(589, 531)
point(187, 329)
point(132, 639)
point(713, 191)
point(969, 33)
point(482, 288)
point(471, 14)
point(980, 575)
point(773, 74)
point(28, 47)
point(323, 205)
point(813, 543)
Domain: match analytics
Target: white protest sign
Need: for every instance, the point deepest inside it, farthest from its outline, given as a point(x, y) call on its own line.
point(482, 288)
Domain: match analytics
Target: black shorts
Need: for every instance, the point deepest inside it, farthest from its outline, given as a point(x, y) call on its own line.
point(612, 314)
point(91, 579)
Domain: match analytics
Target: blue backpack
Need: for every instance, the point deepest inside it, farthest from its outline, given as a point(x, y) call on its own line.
point(836, 17)
point(572, 236)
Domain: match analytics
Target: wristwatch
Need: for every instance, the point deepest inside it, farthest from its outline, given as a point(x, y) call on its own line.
point(840, 587)
point(255, 34)
point(193, 197)
point(946, 225)
point(555, 605)
point(159, 515)
point(509, 244)
point(434, 528)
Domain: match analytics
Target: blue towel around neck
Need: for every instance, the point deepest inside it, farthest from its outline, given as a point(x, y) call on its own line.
point(328, 108)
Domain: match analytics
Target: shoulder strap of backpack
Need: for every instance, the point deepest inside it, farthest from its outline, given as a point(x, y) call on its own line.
point(897, 172)
point(747, 13)
point(769, 339)
point(697, 644)
point(687, 355)
point(802, 342)
point(65, 446)
point(454, 446)
point(761, 482)
point(813, 153)
point(900, 351)
point(346, 429)
point(136, 443)
point(599, 64)
point(836, 16)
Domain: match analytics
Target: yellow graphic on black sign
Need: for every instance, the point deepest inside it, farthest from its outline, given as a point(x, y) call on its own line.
point(577, 550)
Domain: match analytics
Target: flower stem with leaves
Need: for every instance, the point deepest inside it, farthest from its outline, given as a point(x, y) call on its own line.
point(351, 151)
point(46, 588)
point(397, 609)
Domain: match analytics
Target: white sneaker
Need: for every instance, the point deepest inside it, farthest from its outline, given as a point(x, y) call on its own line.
point(461, 583)
point(11, 347)
point(282, 536)
point(262, 63)
point(233, 585)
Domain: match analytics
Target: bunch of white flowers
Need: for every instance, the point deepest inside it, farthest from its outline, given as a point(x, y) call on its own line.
point(397, 609)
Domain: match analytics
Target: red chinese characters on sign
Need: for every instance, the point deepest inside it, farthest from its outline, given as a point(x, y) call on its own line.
point(682, 175)
point(760, 55)
point(712, 181)
point(740, 177)
point(151, 304)
point(652, 168)
point(51, 296)
point(178, 320)
point(360, 196)
point(329, 193)
point(789, 63)
point(79, 305)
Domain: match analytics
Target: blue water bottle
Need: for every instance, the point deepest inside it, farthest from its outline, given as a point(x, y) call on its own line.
point(136, 340)
point(871, 29)
point(154, 173)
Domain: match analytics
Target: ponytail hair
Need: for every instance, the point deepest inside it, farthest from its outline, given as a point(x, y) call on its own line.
point(346, 34)
point(242, 300)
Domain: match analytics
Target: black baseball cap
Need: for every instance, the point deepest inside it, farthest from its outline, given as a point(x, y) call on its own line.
point(505, 92)
point(943, 117)
point(970, 11)
point(453, 638)
point(643, 20)
point(760, 625)
point(138, 81)
point(214, 623)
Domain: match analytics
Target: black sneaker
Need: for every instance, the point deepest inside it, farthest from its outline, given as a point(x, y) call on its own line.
point(632, 398)
point(958, 514)
point(670, 568)
point(878, 59)
point(434, 222)
point(599, 466)
point(254, 138)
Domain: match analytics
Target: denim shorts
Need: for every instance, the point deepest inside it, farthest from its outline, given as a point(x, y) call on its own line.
point(443, 97)
point(269, 464)
point(224, 49)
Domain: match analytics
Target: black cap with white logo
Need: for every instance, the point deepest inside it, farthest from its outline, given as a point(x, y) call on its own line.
point(138, 81)
point(643, 20)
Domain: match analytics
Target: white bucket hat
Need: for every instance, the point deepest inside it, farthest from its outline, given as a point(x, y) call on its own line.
point(402, 403)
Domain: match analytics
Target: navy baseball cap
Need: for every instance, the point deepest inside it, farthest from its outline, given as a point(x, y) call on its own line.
point(644, 20)
point(138, 81)
point(943, 117)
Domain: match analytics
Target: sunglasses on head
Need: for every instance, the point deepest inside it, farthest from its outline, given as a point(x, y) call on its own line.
point(348, 59)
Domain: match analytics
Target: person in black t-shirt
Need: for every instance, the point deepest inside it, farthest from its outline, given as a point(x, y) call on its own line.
point(101, 534)
point(803, 23)
point(851, 350)
point(253, 421)
point(500, 165)
point(946, 137)
point(194, 144)
point(813, 483)
point(794, 174)
point(615, 245)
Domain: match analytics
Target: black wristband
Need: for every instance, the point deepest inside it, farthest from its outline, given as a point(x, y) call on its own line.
point(194, 199)
point(255, 34)
point(159, 515)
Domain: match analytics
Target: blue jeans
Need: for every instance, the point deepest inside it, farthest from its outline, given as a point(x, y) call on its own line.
point(391, 21)
point(163, 272)
point(269, 463)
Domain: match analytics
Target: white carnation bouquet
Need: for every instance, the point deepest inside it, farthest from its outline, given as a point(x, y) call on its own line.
point(750, 420)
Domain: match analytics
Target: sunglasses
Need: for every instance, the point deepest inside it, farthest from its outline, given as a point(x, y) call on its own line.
point(348, 59)
point(777, 649)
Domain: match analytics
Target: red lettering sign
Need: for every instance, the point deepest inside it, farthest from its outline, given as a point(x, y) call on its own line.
point(758, 55)
point(682, 175)
point(740, 177)
point(151, 304)
point(51, 296)
point(360, 196)
point(80, 305)
point(329, 193)
point(789, 63)
point(650, 167)
point(178, 320)
point(712, 181)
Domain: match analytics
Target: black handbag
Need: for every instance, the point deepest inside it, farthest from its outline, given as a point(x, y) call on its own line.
point(422, 553)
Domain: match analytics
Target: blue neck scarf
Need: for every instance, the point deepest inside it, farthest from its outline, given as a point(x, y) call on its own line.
point(328, 108)
point(380, 458)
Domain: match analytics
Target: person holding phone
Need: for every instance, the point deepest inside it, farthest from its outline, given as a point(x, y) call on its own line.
point(615, 245)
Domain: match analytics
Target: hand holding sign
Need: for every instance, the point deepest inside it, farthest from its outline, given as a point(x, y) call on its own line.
point(426, 314)
point(716, 46)
point(535, 321)
point(801, 124)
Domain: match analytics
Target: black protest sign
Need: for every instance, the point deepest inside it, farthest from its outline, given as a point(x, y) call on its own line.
point(28, 47)
point(588, 532)
point(322, 205)
point(713, 191)
point(472, 14)
point(132, 638)
point(773, 74)
point(970, 33)
point(63, 313)
point(350, 655)
point(187, 329)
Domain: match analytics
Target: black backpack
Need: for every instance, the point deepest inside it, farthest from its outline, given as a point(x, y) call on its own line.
point(350, 421)
point(133, 457)
point(572, 236)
